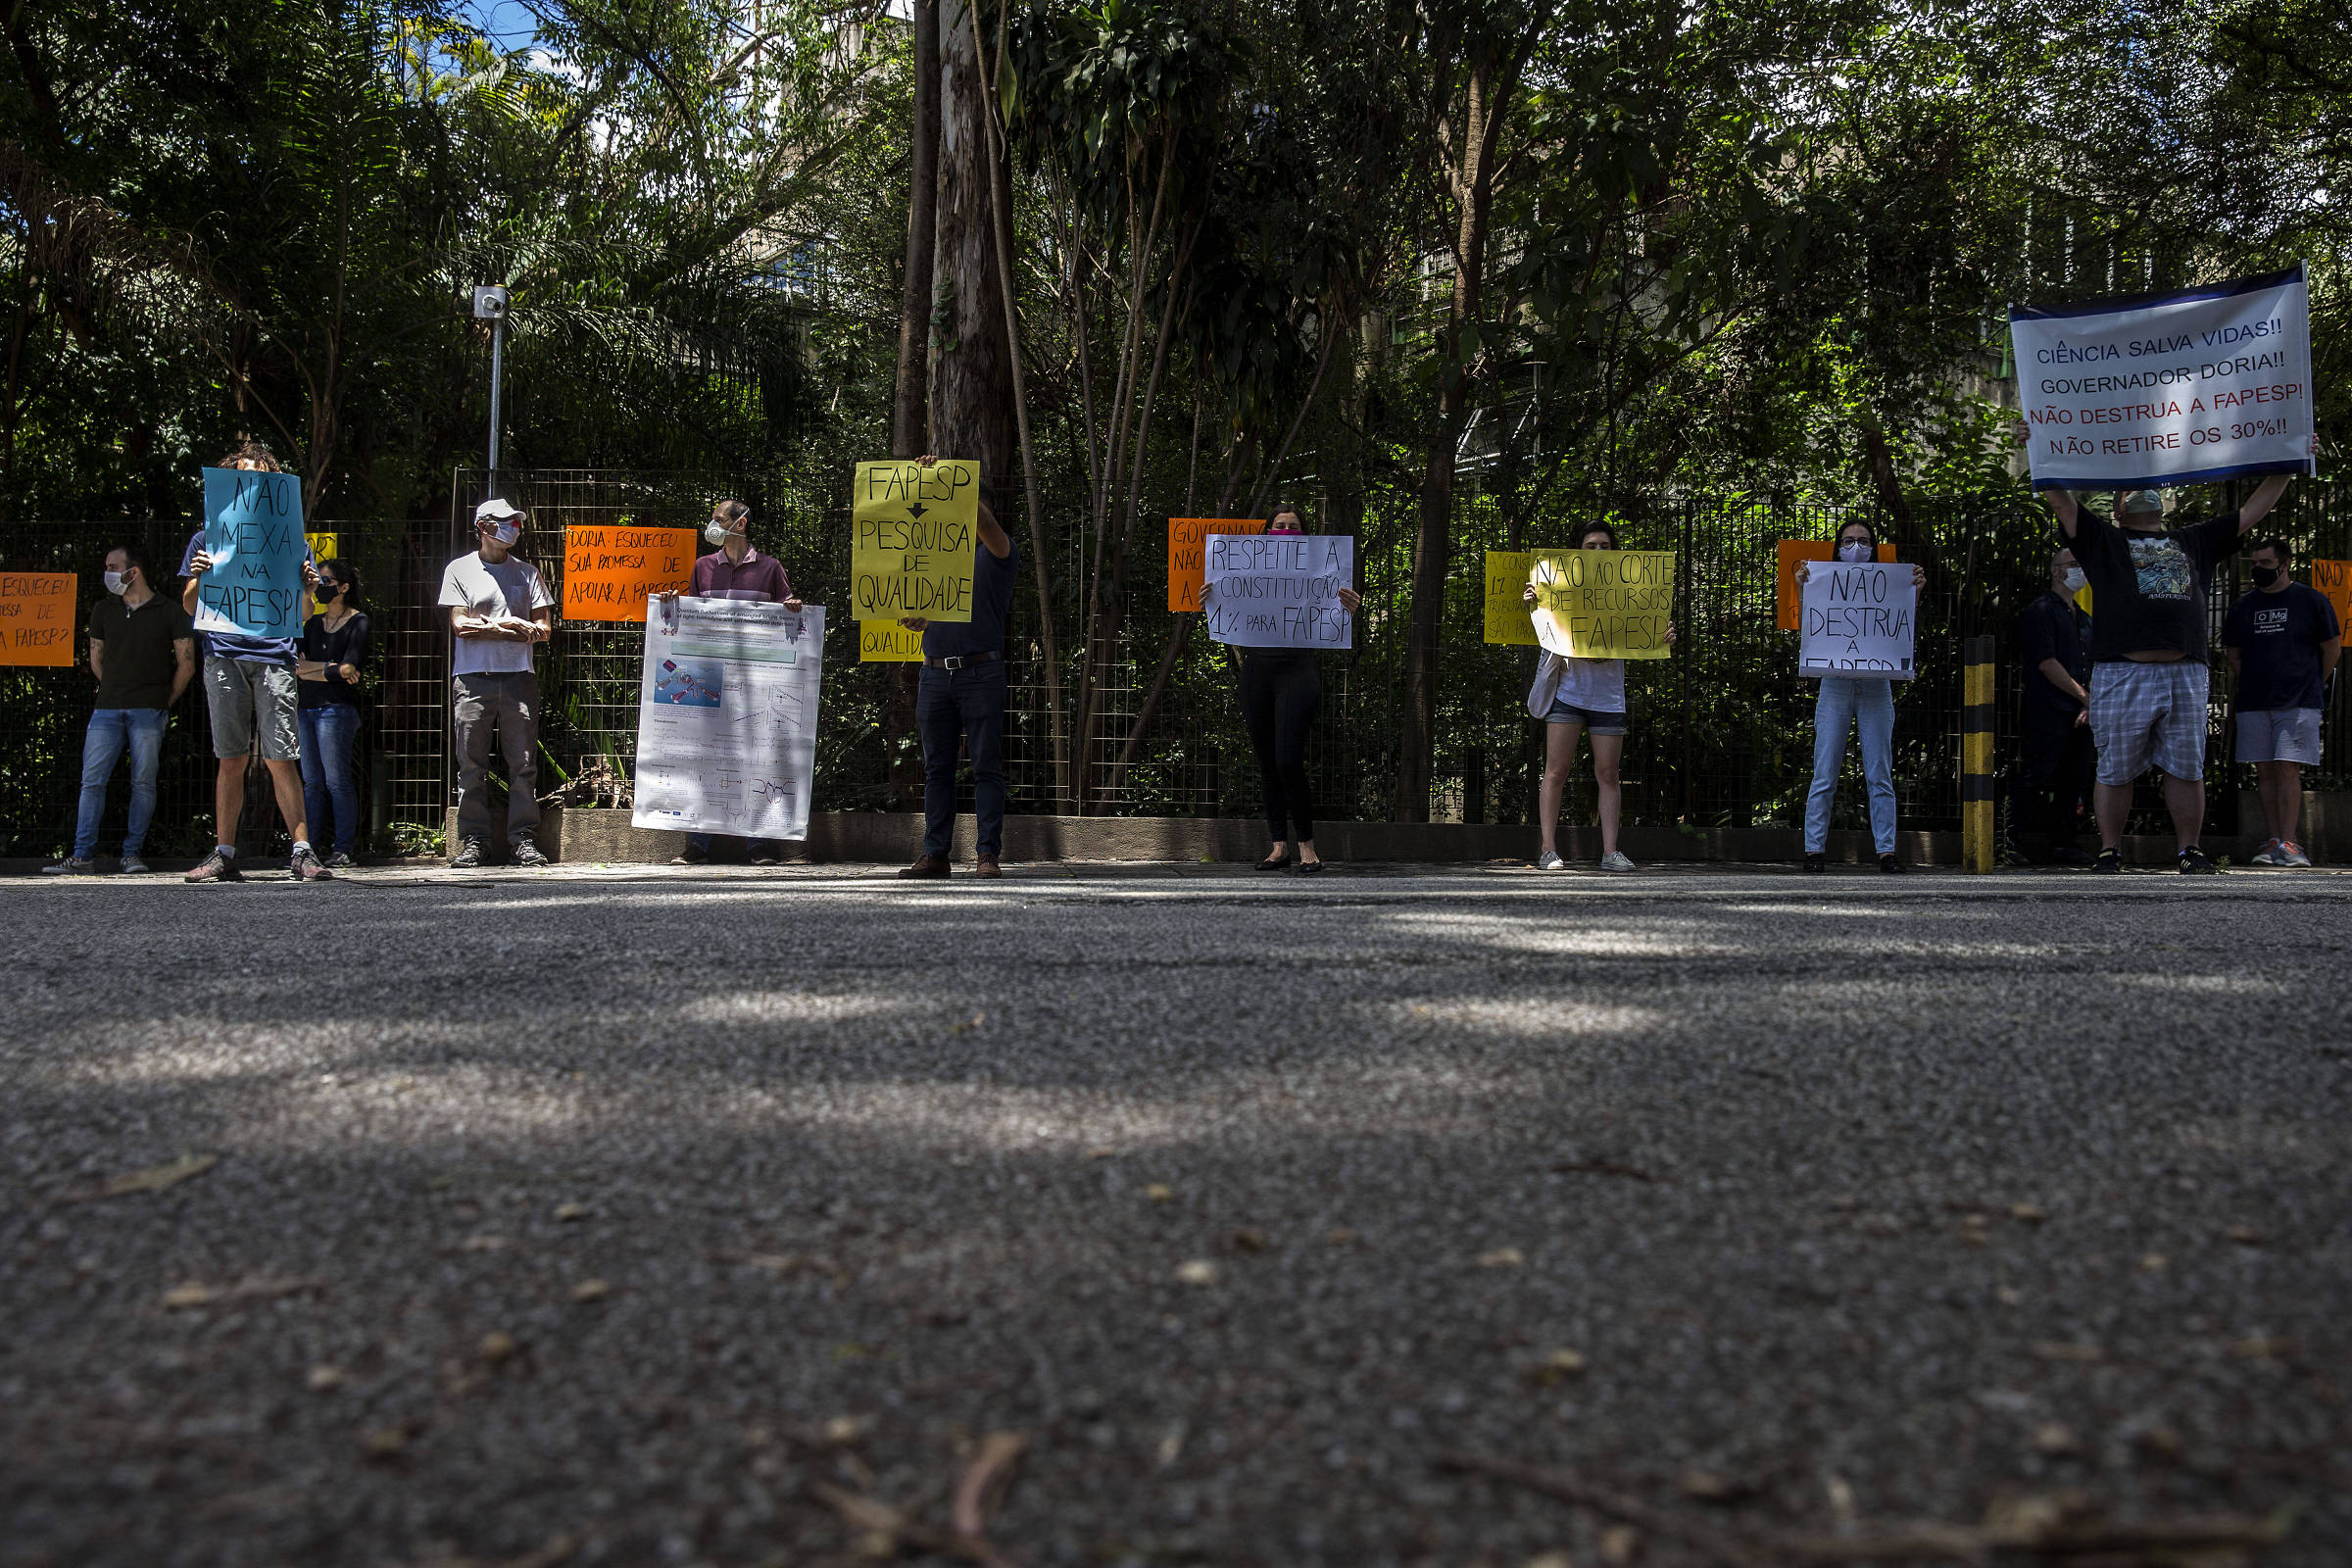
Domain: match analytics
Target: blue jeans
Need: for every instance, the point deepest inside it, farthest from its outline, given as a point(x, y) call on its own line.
point(326, 736)
point(1870, 706)
point(142, 729)
point(971, 700)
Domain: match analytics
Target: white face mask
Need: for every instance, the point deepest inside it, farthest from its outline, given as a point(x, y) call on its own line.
point(505, 532)
point(1852, 551)
point(717, 532)
point(117, 581)
point(2075, 579)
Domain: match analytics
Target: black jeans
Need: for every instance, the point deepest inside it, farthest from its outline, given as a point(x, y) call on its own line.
point(1280, 692)
point(969, 701)
point(2050, 796)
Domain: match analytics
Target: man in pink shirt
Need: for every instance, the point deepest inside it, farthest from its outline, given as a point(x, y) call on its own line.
point(734, 570)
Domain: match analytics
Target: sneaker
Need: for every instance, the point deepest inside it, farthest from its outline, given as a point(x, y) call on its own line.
point(1549, 860)
point(469, 855)
point(2195, 862)
point(527, 854)
point(132, 865)
point(307, 868)
point(1817, 861)
point(71, 865)
point(2272, 852)
point(1616, 861)
point(340, 861)
point(926, 865)
point(692, 858)
point(216, 867)
point(761, 860)
point(2109, 862)
point(1892, 866)
point(2294, 855)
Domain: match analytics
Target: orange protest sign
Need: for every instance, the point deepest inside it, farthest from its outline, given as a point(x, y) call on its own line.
point(1792, 550)
point(2334, 579)
point(36, 618)
point(608, 572)
point(1185, 547)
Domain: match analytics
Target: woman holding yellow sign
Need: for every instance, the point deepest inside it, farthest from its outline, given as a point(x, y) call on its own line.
point(1860, 703)
point(1573, 694)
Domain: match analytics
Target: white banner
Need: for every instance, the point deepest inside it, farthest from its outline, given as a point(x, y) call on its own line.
point(2168, 389)
point(1278, 590)
point(1858, 619)
point(726, 718)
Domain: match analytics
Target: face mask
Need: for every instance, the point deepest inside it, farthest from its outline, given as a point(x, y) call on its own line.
point(716, 531)
point(117, 581)
point(2075, 579)
point(1854, 551)
point(2263, 577)
point(326, 593)
point(507, 532)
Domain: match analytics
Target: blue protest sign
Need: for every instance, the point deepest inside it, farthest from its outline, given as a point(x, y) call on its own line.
point(252, 531)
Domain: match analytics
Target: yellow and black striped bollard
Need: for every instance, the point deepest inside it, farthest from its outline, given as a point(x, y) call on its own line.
point(1976, 759)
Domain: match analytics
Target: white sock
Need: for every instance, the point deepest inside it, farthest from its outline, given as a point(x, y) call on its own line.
point(226, 851)
point(302, 846)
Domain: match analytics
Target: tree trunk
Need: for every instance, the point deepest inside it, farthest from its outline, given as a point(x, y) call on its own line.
point(909, 427)
point(1433, 541)
point(971, 377)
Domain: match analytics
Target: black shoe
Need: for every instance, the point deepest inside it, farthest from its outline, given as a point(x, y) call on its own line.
point(527, 854)
point(1816, 860)
point(2109, 862)
point(1309, 867)
point(2194, 861)
point(340, 862)
point(469, 855)
point(1890, 865)
point(1274, 862)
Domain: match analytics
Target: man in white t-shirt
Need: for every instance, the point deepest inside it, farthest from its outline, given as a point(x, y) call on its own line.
point(497, 614)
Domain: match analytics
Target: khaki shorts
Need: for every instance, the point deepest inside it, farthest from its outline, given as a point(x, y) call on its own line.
point(246, 697)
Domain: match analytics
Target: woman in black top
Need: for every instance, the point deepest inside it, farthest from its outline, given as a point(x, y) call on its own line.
point(334, 649)
point(1280, 692)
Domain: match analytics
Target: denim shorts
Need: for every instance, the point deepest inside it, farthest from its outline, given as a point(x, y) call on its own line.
point(1566, 712)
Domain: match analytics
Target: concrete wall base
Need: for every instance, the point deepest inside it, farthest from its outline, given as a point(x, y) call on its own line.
point(607, 837)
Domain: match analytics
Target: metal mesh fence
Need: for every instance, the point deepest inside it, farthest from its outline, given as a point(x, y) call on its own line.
point(1721, 734)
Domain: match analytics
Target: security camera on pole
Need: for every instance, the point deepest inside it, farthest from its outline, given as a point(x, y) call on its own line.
point(490, 304)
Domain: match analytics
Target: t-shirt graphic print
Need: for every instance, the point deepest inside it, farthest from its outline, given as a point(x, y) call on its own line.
point(2163, 569)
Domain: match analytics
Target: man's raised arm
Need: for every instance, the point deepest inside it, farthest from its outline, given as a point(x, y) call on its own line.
point(2062, 502)
point(2258, 504)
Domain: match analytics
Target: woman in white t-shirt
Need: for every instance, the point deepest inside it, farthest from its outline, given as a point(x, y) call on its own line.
point(1580, 694)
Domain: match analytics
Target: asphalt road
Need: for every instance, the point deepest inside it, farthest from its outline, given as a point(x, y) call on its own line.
point(705, 1218)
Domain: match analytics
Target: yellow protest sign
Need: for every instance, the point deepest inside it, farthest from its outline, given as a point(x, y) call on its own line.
point(1507, 620)
point(1186, 540)
point(914, 530)
point(36, 618)
point(1603, 604)
point(322, 545)
point(608, 572)
point(886, 641)
point(2334, 578)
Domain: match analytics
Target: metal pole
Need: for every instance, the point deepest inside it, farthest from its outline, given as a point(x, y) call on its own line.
point(498, 359)
point(1976, 757)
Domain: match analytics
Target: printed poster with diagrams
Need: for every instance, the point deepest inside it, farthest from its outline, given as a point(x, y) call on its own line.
point(726, 718)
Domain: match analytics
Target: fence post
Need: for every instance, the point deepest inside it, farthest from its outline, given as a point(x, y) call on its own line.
point(1976, 758)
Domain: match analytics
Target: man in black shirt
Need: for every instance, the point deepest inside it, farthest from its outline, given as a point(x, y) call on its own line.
point(2284, 641)
point(2053, 782)
point(144, 654)
point(2148, 675)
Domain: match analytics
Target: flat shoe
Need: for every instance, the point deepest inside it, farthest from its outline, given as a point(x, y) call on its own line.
point(1309, 867)
point(1277, 863)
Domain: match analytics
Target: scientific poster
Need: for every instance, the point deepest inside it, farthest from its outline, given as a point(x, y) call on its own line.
point(726, 721)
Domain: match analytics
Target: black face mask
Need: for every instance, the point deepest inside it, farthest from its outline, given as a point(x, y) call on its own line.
point(2263, 577)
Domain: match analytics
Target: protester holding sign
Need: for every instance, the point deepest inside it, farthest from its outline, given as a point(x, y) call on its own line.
point(335, 651)
point(1587, 694)
point(142, 655)
point(1863, 703)
point(2148, 672)
point(244, 576)
point(964, 683)
point(1281, 691)
point(497, 614)
point(2284, 641)
point(734, 570)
